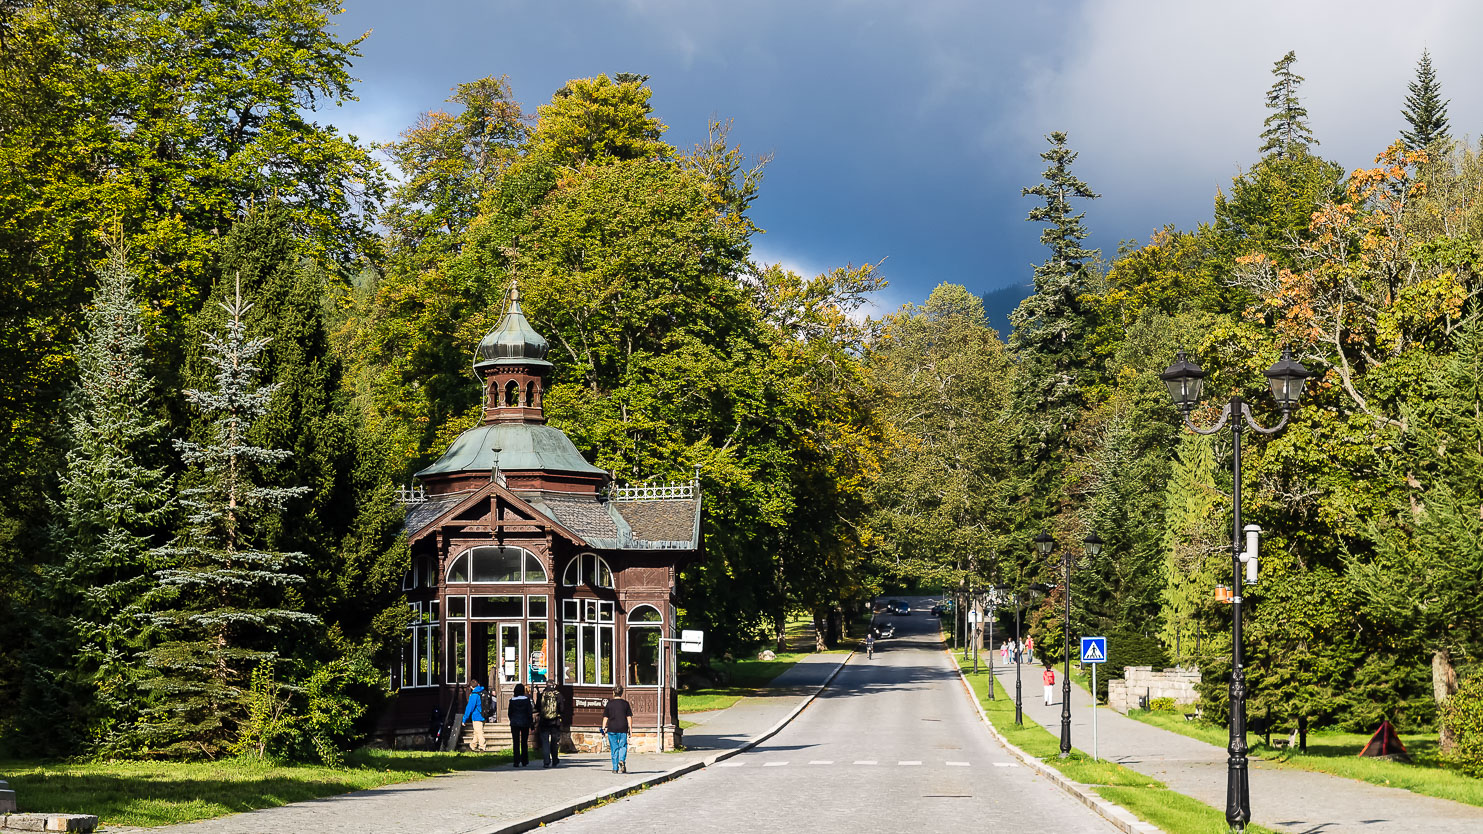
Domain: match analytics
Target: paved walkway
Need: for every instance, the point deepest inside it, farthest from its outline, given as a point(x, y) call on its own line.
point(1283, 799)
point(487, 800)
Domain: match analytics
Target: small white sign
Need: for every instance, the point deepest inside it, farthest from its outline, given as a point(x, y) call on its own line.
point(973, 618)
point(691, 640)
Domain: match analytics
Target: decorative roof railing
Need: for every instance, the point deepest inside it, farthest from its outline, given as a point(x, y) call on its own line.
point(656, 490)
point(410, 496)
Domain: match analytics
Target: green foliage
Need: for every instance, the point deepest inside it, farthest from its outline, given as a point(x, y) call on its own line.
point(115, 495)
point(1285, 133)
point(266, 723)
point(1425, 111)
point(1462, 715)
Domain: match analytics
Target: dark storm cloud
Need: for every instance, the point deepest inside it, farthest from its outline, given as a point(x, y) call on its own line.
point(905, 130)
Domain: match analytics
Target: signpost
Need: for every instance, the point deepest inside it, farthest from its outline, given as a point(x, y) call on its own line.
point(1094, 652)
point(690, 641)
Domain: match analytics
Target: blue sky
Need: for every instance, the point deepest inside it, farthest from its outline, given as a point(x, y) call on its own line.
point(904, 131)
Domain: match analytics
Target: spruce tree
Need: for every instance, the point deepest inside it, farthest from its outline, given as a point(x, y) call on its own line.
point(224, 604)
point(1285, 133)
point(1425, 111)
point(114, 498)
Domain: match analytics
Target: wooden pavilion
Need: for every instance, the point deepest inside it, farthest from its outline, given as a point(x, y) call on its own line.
point(529, 565)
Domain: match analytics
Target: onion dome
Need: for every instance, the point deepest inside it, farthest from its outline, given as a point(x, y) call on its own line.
point(513, 341)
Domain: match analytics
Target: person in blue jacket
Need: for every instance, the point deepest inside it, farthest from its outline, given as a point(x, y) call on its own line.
point(475, 712)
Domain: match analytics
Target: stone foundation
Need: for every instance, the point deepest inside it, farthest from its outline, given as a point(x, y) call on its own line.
point(589, 740)
point(1140, 685)
point(7, 798)
point(48, 822)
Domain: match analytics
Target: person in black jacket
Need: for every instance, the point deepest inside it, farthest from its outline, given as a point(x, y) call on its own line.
point(522, 716)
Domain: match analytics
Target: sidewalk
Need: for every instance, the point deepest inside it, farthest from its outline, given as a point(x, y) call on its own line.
point(1283, 799)
point(487, 801)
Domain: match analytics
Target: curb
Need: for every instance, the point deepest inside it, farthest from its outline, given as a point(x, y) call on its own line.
point(569, 808)
point(1120, 817)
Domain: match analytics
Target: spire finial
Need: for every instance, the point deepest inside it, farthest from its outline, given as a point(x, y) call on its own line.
point(514, 290)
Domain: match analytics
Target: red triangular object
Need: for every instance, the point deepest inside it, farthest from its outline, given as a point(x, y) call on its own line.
point(1386, 743)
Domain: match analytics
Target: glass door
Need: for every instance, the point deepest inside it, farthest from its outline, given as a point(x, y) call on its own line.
point(511, 657)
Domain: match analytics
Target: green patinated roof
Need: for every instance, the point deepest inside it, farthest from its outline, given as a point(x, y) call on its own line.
point(513, 340)
point(523, 447)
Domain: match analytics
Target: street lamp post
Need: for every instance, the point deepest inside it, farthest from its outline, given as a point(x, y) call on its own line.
point(1286, 379)
point(1019, 703)
point(1047, 545)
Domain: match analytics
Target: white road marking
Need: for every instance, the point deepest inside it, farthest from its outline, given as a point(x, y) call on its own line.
point(1006, 764)
point(728, 764)
point(957, 764)
point(774, 764)
point(871, 762)
point(822, 761)
point(904, 764)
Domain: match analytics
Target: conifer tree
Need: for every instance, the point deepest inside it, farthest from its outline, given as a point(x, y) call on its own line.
point(113, 503)
point(1285, 133)
point(1190, 500)
point(223, 603)
point(1050, 321)
point(1425, 111)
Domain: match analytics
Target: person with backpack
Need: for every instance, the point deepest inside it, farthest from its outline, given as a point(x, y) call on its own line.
point(615, 715)
point(474, 712)
point(522, 717)
point(552, 709)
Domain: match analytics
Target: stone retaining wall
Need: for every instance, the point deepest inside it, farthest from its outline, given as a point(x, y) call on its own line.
point(48, 822)
point(1142, 682)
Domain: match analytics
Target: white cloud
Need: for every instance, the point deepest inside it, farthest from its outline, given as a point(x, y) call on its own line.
point(1164, 100)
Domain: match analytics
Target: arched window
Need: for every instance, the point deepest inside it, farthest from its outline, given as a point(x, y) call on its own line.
point(496, 565)
point(530, 394)
point(512, 393)
point(588, 569)
point(644, 630)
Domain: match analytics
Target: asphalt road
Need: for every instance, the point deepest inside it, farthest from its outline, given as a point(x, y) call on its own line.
point(893, 745)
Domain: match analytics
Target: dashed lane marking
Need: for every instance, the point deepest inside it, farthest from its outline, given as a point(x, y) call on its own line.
point(728, 764)
point(957, 764)
point(906, 764)
point(774, 764)
point(870, 762)
point(821, 761)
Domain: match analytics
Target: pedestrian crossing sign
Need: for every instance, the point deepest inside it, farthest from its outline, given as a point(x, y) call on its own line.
point(1094, 650)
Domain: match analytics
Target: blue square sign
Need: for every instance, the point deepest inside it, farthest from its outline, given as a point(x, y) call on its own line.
point(1094, 650)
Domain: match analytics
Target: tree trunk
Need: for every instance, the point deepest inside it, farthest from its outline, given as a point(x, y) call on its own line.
point(1444, 684)
point(780, 622)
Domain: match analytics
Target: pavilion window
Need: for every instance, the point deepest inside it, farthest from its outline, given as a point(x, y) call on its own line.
point(421, 646)
point(512, 394)
point(587, 642)
point(644, 629)
point(496, 565)
point(588, 569)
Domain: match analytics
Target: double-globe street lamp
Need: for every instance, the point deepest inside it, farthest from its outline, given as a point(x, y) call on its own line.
point(1046, 545)
point(1185, 380)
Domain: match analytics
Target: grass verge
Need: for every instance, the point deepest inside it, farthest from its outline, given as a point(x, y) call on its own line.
point(1336, 753)
point(1147, 798)
point(744, 677)
point(164, 793)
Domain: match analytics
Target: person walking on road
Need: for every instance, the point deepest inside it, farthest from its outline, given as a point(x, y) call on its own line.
point(1029, 649)
point(475, 712)
point(869, 645)
point(615, 717)
point(1048, 677)
point(552, 709)
point(522, 718)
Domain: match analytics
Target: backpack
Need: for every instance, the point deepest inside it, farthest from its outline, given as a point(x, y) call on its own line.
point(487, 705)
point(551, 705)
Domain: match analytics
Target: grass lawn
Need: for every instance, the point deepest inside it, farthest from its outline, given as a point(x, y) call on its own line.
point(162, 793)
point(1146, 797)
point(744, 677)
point(1338, 753)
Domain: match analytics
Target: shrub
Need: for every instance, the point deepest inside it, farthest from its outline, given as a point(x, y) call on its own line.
point(1163, 705)
point(1462, 713)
